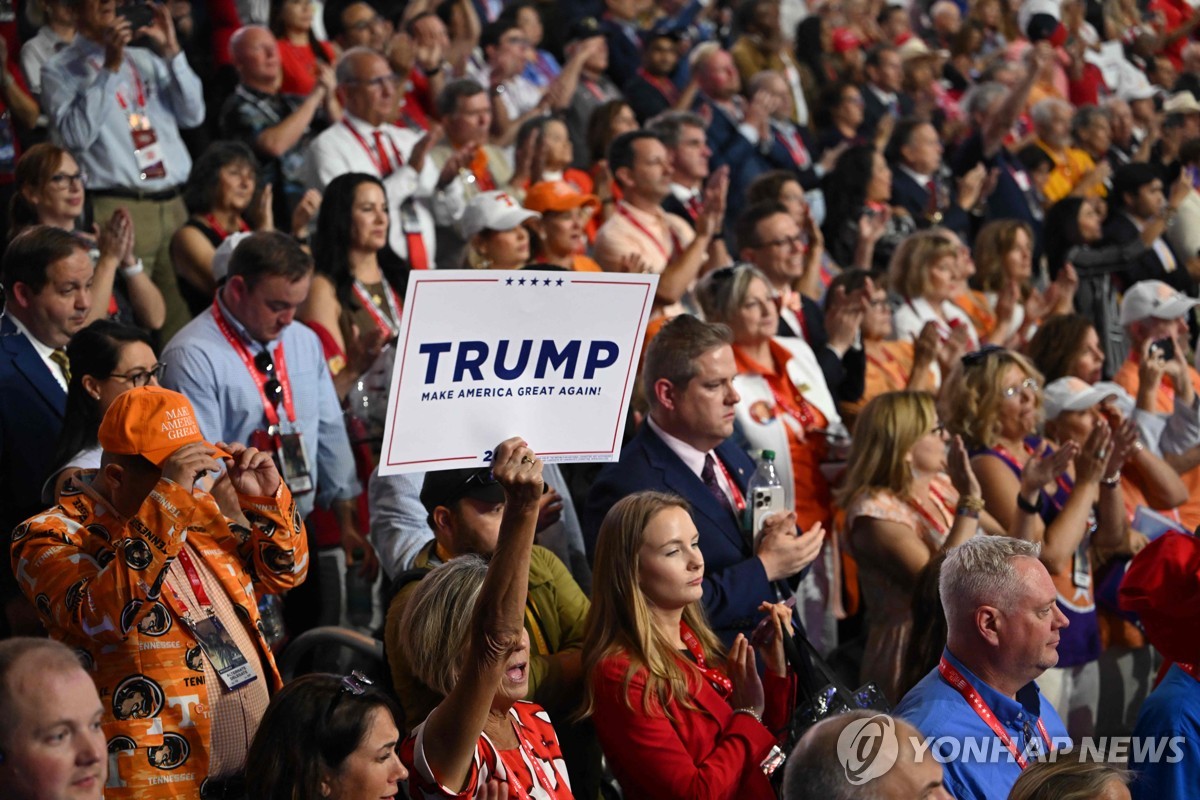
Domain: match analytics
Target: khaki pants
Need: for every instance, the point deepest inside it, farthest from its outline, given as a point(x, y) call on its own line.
point(154, 223)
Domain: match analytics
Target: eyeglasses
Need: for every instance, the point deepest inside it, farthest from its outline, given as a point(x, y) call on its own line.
point(481, 478)
point(1013, 391)
point(787, 241)
point(140, 377)
point(61, 180)
point(381, 82)
point(266, 365)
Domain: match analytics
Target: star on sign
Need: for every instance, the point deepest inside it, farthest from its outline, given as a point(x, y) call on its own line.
point(521, 282)
point(560, 282)
point(509, 282)
point(546, 282)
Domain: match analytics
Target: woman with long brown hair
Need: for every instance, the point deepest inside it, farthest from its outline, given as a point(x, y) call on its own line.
point(655, 684)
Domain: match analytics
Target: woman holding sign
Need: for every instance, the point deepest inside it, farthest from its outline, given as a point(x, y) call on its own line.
point(676, 716)
point(465, 634)
point(358, 289)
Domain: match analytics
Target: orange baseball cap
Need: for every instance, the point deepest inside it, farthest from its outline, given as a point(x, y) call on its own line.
point(151, 422)
point(558, 196)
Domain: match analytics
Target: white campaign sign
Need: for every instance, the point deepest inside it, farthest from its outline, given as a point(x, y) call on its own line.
point(482, 356)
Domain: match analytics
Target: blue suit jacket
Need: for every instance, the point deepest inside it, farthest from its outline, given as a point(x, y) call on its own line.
point(735, 582)
point(31, 416)
point(910, 195)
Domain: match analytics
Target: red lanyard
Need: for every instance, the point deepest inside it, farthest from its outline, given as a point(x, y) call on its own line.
point(534, 763)
point(795, 147)
point(941, 527)
point(667, 89)
point(193, 577)
point(955, 679)
point(259, 379)
point(222, 234)
point(623, 211)
point(1008, 458)
point(739, 501)
point(592, 87)
point(137, 80)
point(892, 368)
point(389, 329)
point(376, 160)
point(719, 680)
point(798, 408)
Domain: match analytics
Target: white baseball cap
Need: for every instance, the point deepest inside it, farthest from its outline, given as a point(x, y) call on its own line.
point(494, 211)
point(1073, 394)
point(1154, 299)
point(220, 259)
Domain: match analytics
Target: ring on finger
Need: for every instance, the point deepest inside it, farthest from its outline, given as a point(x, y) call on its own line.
point(526, 460)
point(1101, 453)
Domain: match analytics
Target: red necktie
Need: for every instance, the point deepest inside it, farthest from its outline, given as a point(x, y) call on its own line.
point(417, 257)
point(931, 187)
point(693, 207)
point(385, 165)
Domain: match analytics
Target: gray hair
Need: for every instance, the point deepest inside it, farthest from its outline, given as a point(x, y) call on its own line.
point(814, 769)
point(979, 572)
point(1085, 117)
point(453, 91)
point(669, 125)
point(1043, 110)
point(759, 78)
point(980, 97)
point(672, 353)
point(436, 625)
point(344, 71)
point(722, 291)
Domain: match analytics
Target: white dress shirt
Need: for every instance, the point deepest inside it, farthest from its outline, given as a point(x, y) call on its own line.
point(43, 351)
point(693, 459)
point(338, 151)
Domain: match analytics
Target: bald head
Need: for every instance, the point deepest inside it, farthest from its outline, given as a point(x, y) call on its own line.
point(876, 751)
point(255, 55)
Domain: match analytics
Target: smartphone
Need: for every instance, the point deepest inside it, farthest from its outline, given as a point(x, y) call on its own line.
point(1165, 347)
point(764, 501)
point(138, 12)
point(762, 631)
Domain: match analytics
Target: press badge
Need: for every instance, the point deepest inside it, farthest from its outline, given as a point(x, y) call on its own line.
point(222, 653)
point(292, 460)
point(146, 148)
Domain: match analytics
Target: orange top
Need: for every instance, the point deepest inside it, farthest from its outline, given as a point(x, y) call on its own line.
point(979, 310)
point(889, 369)
point(811, 489)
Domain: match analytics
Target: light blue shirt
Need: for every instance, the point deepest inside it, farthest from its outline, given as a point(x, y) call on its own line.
point(939, 712)
point(80, 97)
point(203, 366)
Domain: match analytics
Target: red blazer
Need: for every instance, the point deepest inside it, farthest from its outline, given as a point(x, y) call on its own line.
point(707, 752)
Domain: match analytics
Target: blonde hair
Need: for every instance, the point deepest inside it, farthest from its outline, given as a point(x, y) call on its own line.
point(1067, 777)
point(619, 620)
point(908, 271)
point(972, 395)
point(884, 434)
point(992, 244)
point(436, 624)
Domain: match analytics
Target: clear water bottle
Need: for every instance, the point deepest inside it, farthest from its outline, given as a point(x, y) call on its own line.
point(358, 593)
point(765, 493)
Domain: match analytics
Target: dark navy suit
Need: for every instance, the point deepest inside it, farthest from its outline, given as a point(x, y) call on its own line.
point(912, 196)
point(31, 416)
point(735, 582)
